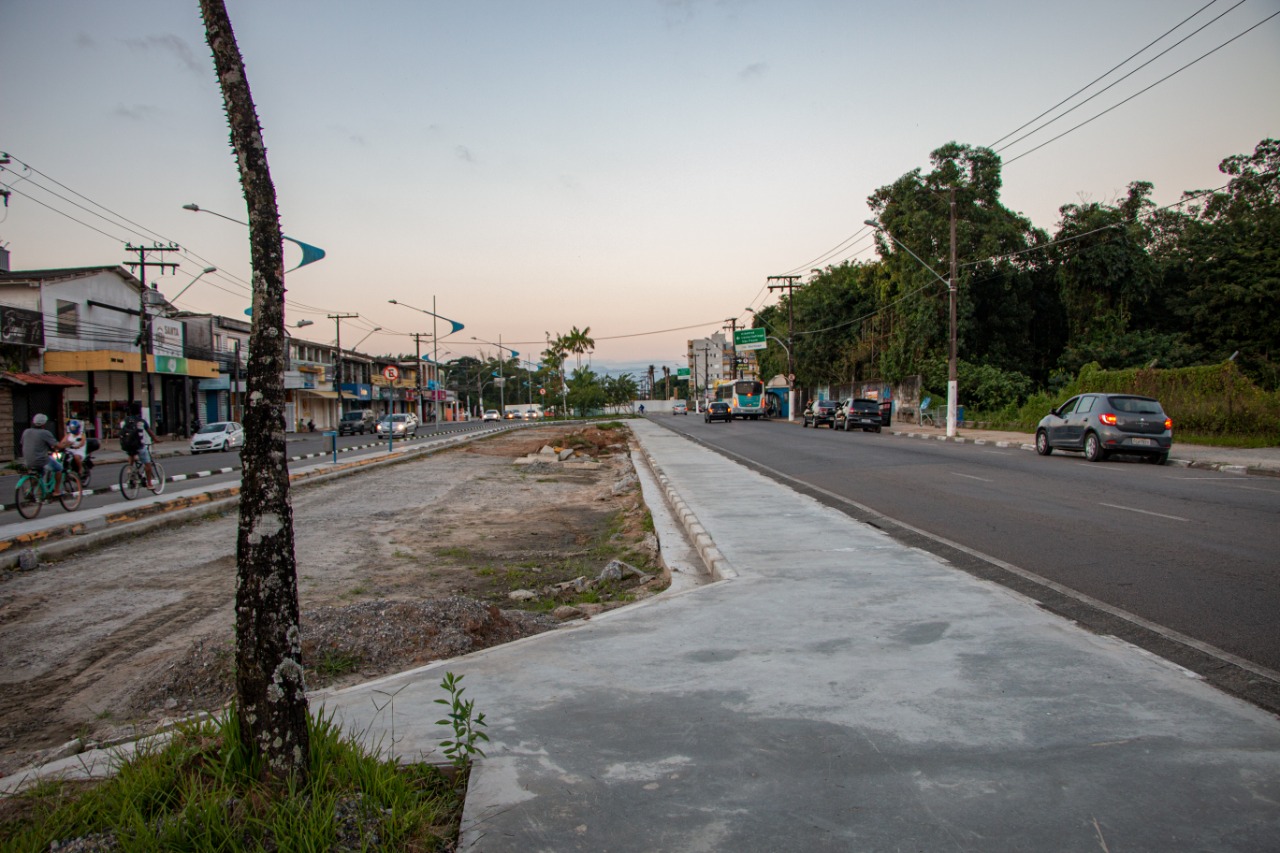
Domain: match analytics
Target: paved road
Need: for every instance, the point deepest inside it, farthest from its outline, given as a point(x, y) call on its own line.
point(1190, 550)
point(212, 469)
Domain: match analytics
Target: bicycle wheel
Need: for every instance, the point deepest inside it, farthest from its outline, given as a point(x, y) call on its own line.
point(72, 491)
point(157, 482)
point(27, 496)
point(130, 481)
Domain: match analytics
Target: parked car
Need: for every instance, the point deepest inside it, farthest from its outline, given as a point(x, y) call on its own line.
point(718, 410)
point(398, 426)
point(680, 409)
point(357, 421)
point(859, 413)
point(492, 415)
point(223, 435)
point(820, 412)
point(1100, 425)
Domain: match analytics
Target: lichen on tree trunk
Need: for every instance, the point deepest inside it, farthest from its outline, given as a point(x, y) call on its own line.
point(271, 696)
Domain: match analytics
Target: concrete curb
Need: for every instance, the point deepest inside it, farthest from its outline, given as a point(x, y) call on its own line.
point(717, 564)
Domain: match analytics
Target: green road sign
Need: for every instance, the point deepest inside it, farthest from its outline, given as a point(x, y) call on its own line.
point(749, 339)
point(682, 373)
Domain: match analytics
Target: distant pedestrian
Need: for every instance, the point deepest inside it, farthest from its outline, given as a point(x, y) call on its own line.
point(311, 425)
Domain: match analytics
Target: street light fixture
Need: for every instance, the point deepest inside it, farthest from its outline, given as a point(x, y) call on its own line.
point(365, 338)
point(435, 358)
point(953, 382)
point(310, 254)
point(502, 380)
point(204, 271)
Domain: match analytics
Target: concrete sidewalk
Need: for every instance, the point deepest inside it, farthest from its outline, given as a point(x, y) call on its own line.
point(839, 692)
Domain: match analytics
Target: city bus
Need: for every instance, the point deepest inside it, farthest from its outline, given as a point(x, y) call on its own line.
point(744, 396)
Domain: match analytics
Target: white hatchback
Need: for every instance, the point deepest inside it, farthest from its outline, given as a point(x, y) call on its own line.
point(222, 435)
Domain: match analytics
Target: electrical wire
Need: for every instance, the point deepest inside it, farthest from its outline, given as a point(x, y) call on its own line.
point(1066, 113)
point(1143, 91)
point(1110, 70)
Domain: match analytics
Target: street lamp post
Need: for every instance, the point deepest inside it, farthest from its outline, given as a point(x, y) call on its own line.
point(953, 382)
point(502, 379)
point(435, 339)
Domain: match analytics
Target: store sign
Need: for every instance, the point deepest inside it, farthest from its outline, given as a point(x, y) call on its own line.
point(22, 327)
point(171, 364)
point(166, 338)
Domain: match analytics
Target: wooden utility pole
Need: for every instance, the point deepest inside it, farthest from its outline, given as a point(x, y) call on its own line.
point(144, 320)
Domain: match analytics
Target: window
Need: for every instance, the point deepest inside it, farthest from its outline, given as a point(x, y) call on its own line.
point(68, 319)
point(1068, 407)
point(1086, 405)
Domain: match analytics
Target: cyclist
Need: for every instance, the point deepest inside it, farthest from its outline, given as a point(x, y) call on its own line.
point(139, 450)
point(37, 444)
point(75, 444)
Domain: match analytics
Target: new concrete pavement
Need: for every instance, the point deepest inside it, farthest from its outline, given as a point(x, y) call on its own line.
point(836, 691)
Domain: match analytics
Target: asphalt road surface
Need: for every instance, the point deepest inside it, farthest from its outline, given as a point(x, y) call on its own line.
point(1191, 551)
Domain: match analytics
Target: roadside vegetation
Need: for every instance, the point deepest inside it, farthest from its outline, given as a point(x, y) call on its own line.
point(202, 791)
point(1181, 302)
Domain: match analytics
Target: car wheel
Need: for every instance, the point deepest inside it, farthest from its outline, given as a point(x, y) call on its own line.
point(875, 430)
point(1093, 448)
point(1042, 443)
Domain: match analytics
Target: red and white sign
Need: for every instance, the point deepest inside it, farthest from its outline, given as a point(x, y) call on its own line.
point(391, 372)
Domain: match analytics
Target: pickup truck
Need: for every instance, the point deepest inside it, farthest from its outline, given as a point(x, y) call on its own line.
point(860, 413)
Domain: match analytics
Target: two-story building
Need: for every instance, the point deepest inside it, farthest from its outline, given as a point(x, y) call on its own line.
point(100, 328)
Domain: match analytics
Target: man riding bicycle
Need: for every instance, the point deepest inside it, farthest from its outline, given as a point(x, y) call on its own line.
point(136, 439)
point(38, 445)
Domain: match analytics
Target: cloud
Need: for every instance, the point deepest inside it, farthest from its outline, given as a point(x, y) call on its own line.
point(170, 44)
point(84, 40)
point(755, 69)
point(136, 112)
point(463, 153)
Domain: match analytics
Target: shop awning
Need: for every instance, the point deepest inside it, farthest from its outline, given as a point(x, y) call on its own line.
point(40, 379)
point(327, 395)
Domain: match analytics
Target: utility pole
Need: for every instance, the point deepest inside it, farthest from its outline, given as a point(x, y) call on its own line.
point(733, 345)
point(144, 324)
point(953, 375)
point(337, 374)
point(788, 284)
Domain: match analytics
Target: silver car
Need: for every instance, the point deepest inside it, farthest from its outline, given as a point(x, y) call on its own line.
point(222, 435)
point(1100, 425)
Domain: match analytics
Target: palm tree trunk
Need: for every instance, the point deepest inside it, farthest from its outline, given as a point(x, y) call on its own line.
point(271, 700)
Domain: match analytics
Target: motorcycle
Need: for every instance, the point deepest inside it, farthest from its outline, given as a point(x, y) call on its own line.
point(86, 465)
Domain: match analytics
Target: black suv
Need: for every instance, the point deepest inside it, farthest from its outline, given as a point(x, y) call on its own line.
point(821, 412)
point(860, 413)
point(718, 410)
point(358, 421)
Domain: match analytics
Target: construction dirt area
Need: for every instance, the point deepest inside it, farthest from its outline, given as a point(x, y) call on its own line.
point(398, 565)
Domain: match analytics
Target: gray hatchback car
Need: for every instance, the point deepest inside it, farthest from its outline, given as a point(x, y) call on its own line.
point(1100, 425)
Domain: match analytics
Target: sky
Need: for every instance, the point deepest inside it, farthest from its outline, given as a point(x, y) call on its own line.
point(637, 168)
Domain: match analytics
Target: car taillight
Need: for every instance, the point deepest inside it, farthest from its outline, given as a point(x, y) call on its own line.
point(1107, 418)
point(1168, 423)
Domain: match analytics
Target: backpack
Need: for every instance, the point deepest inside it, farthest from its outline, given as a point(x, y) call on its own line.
point(130, 436)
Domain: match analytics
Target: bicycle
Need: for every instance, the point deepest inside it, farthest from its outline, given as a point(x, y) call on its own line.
point(133, 476)
point(35, 488)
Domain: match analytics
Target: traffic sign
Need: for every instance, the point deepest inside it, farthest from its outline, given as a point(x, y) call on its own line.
point(750, 339)
point(391, 372)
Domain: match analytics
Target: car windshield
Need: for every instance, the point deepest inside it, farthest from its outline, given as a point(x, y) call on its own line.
point(353, 416)
point(212, 428)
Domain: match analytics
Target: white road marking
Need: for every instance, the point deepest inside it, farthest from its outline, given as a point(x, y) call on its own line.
point(1146, 512)
point(971, 477)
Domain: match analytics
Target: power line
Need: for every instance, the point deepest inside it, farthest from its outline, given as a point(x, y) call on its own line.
point(1143, 91)
point(1125, 77)
point(1108, 71)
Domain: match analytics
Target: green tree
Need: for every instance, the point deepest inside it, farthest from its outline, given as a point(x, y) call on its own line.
point(586, 392)
point(998, 308)
point(1225, 266)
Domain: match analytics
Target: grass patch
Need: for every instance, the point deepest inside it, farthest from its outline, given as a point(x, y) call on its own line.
point(332, 663)
point(455, 553)
point(202, 792)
